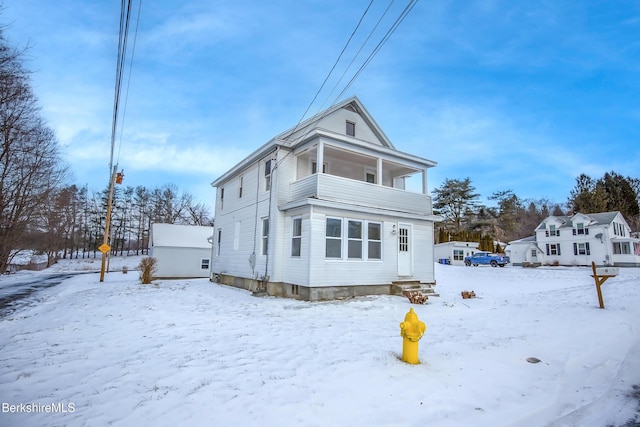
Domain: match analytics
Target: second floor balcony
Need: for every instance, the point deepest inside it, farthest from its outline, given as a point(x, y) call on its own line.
point(338, 189)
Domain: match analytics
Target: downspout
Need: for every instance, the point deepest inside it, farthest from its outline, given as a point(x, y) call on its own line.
point(274, 168)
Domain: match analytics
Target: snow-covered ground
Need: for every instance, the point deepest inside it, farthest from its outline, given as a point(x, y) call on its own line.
point(190, 352)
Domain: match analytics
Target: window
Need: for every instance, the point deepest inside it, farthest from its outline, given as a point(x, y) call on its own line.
point(621, 248)
point(618, 229)
point(374, 240)
point(221, 197)
point(267, 175)
point(240, 190)
point(403, 239)
point(351, 128)
point(314, 167)
point(296, 236)
point(553, 249)
point(219, 240)
point(363, 239)
point(204, 264)
point(458, 255)
point(265, 236)
point(354, 239)
point(333, 239)
point(580, 229)
point(581, 249)
point(534, 253)
point(552, 231)
point(370, 177)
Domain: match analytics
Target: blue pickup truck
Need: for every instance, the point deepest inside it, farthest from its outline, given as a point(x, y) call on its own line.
point(486, 258)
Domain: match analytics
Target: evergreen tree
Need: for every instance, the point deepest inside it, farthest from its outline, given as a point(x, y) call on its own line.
point(454, 199)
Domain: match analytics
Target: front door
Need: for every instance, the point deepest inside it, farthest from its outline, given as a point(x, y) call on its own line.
point(405, 257)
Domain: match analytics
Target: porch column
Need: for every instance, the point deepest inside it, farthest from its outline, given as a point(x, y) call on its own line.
point(424, 181)
point(379, 171)
point(320, 157)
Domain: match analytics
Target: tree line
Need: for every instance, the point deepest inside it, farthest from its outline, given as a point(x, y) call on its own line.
point(40, 210)
point(514, 218)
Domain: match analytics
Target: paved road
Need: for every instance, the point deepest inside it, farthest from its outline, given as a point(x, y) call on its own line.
point(15, 292)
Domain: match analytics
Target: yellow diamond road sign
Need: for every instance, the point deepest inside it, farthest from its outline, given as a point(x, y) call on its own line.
point(104, 248)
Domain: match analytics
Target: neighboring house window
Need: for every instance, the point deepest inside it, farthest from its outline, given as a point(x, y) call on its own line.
point(374, 240)
point(240, 190)
point(458, 255)
point(265, 236)
point(296, 236)
point(534, 253)
point(580, 229)
point(618, 229)
point(636, 248)
point(351, 128)
point(553, 249)
point(314, 167)
point(621, 248)
point(333, 238)
point(581, 249)
point(552, 231)
point(354, 239)
point(221, 197)
point(219, 240)
point(267, 175)
point(204, 264)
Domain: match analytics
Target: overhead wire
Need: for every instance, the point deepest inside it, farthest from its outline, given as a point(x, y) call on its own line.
point(334, 64)
point(391, 30)
point(407, 9)
point(126, 97)
point(125, 18)
point(357, 54)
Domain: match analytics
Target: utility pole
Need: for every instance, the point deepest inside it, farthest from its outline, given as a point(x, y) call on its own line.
point(104, 247)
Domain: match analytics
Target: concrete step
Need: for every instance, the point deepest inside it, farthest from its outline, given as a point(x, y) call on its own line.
point(399, 287)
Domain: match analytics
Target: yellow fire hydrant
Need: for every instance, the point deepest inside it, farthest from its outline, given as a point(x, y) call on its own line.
point(411, 330)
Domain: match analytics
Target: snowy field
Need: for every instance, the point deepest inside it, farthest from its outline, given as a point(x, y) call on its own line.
point(190, 352)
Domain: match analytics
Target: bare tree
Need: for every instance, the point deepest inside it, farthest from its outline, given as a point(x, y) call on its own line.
point(30, 166)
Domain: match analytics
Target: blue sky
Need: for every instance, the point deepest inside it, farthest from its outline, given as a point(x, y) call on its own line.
point(516, 95)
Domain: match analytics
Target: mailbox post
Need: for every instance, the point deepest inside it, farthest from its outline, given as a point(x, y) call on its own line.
point(600, 275)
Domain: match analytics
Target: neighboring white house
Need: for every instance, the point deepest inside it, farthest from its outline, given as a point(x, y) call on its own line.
point(454, 252)
point(604, 238)
point(323, 211)
point(181, 250)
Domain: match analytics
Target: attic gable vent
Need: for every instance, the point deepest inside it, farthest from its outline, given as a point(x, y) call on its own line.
point(350, 107)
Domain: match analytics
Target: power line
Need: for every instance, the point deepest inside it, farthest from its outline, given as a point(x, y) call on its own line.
point(391, 30)
point(126, 97)
point(335, 63)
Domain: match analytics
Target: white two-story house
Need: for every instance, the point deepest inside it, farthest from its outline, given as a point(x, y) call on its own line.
point(323, 211)
point(604, 238)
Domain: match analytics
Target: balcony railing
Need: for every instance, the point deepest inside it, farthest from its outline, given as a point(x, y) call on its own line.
point(345, 190)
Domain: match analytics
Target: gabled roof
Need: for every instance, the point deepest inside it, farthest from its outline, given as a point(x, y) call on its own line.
point(601, 218)
point(180, 236)
point(297, 134)
point(304, 131)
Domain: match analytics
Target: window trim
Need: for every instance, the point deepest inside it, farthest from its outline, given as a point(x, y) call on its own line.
point(296, 237)
point(364, 239)
point(350, 128)
point(267, 174)
point(265, 236)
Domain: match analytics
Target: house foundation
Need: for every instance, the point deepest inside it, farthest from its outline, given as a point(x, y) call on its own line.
point(321, 293)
